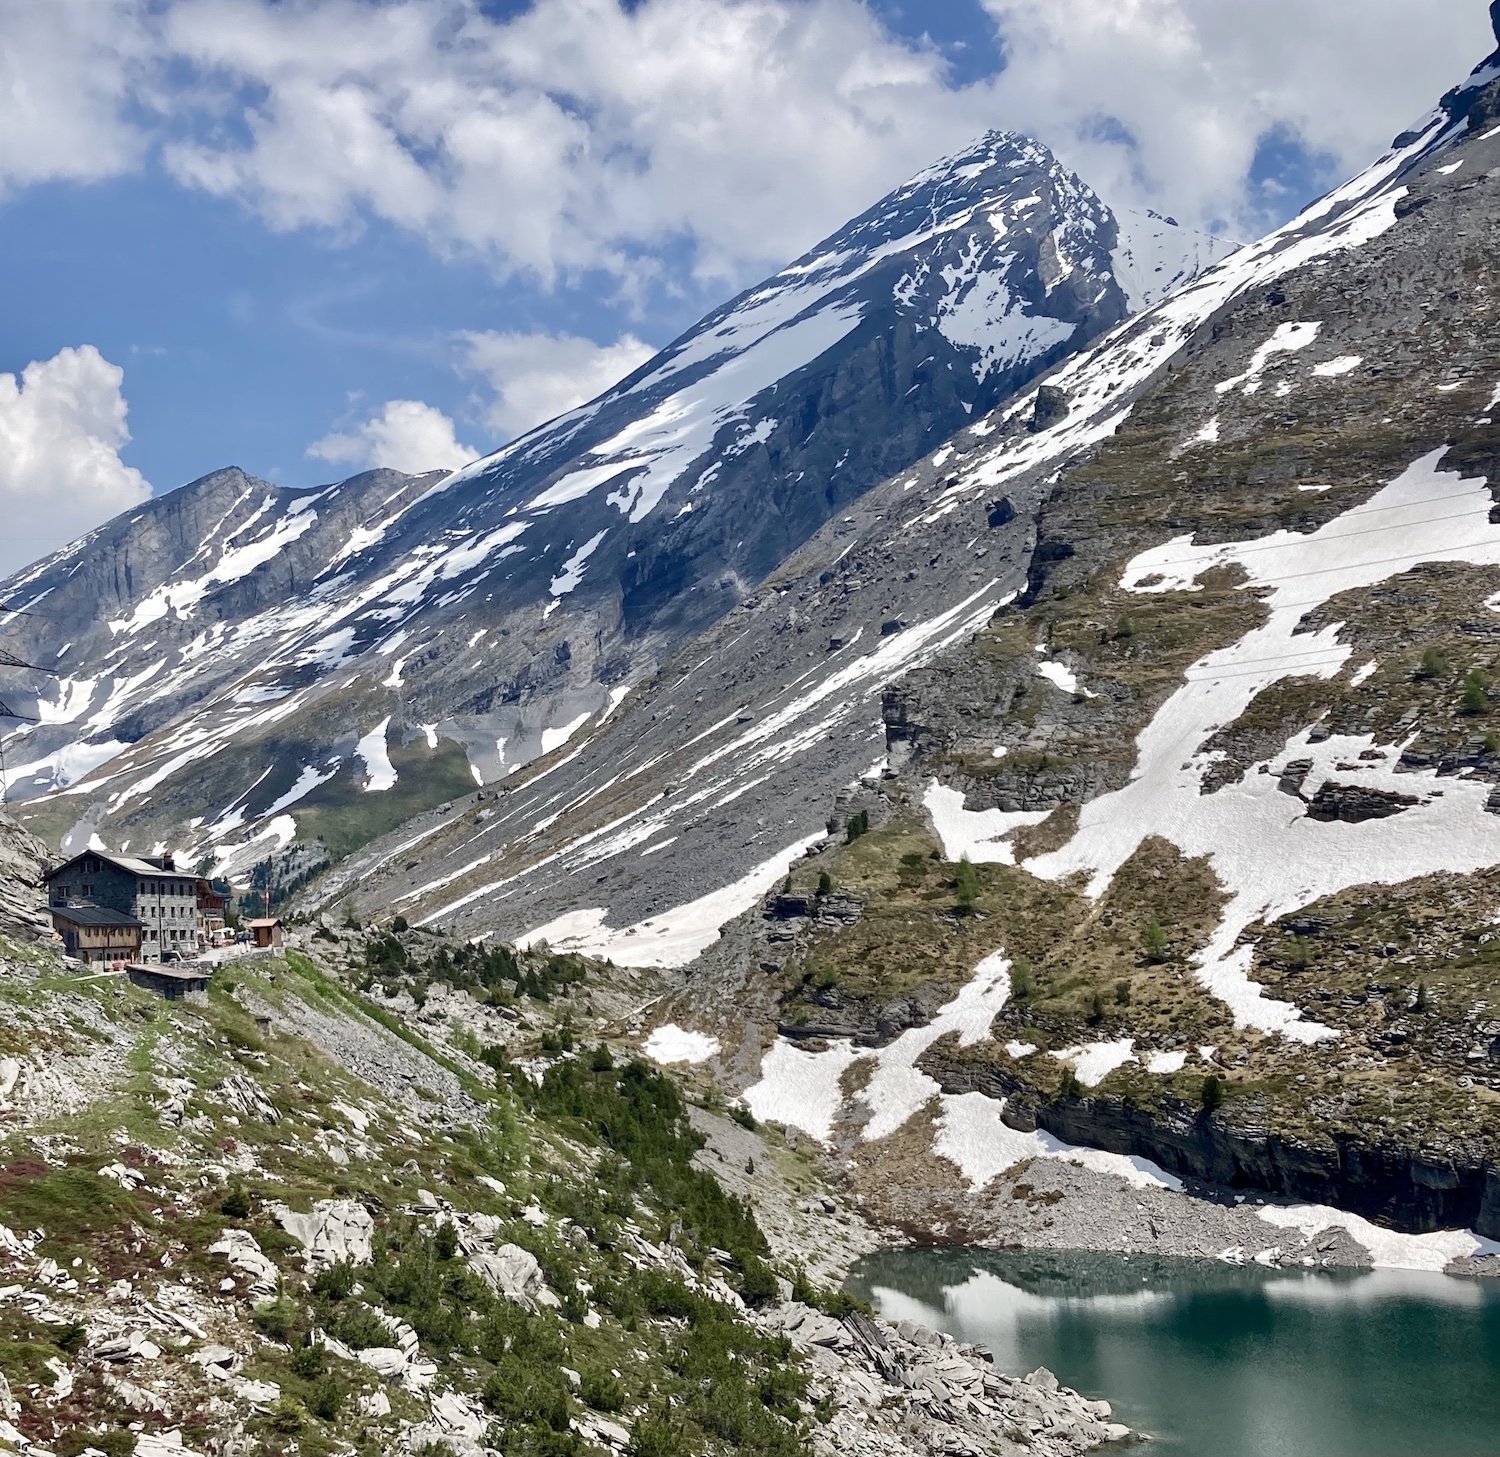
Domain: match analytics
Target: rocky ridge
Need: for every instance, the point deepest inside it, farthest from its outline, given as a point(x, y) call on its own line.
point(23, 858)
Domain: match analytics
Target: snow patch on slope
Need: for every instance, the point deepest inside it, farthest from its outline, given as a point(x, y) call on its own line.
point(803, 1090)
point(675, 937)
point(980, 836)
point(374, 753)
point(1270, 856)
point(673, 1044)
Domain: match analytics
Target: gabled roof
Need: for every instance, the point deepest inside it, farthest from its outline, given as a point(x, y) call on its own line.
point(128, 863)
point(264, 921)
point(94, 916)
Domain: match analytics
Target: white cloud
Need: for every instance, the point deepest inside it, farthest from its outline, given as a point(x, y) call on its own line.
point(538, 376)
point(62, 423)
point(405, 435)
point(1197, 84)
point(69, 70)
point(583, 135)
point(574, 136)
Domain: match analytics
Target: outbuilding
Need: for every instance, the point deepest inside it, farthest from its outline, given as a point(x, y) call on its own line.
point(97, 933)
point(267, 931)
point(175, 983)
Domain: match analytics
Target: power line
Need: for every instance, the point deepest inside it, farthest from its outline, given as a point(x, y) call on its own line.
point(10, 660)
point(1311, 538)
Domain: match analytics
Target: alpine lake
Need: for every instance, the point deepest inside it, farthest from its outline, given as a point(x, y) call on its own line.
point(1209, 1359)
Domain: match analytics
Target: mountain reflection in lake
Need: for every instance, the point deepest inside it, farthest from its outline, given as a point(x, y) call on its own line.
point(1219, 1360)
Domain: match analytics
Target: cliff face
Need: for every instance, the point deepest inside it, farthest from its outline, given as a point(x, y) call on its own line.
point(1440, 1183)
point(23, 900)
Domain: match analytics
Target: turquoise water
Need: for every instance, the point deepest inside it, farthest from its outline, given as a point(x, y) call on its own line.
point(1215, 1360)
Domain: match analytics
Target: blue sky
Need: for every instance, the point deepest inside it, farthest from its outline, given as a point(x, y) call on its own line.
point(306, 236)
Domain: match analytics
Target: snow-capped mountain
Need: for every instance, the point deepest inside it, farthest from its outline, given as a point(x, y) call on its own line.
point(1189, 650)
point(764, 720)
point(241, 668)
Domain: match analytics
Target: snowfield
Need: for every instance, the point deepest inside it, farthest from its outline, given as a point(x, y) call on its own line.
point(1269, 855)
point(804, 1090)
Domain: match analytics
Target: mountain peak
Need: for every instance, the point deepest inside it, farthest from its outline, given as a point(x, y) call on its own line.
point(348, 620)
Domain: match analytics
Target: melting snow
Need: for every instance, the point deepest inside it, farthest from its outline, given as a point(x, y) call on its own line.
point(976, 835)
point(1095, 1061)
point(555, 738)
point(572, 570)
point(1333, 368)
point(1388, 1248)
point(1270, 856)
point(374, 754)
point(803, 1090)
point(234, 563)
point(644, 458)
point(671, 1043)
point(1061, 676)
point(307, 781)
point(1287, 337)
point(675, 937)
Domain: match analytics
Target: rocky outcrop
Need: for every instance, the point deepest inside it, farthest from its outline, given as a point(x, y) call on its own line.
point(1448, 1186)
point(902, 1388)
point(334, 1231)
point(23, 900)
point(1353, 804)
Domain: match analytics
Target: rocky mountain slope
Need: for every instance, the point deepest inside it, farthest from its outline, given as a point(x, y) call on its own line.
point(300, 1219)
point(244, 671)
point(1121, 776)
point(23, 858)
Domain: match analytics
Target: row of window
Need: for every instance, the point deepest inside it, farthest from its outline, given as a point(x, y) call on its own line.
point(151, 911)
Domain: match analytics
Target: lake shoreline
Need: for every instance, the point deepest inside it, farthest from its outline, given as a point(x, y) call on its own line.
point(909, 1196)
point(1214, 1360)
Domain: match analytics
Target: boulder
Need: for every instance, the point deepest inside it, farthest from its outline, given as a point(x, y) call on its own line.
point(238, 1246)
point(335, 1230)
point(514, 1273)
point(383, 1360)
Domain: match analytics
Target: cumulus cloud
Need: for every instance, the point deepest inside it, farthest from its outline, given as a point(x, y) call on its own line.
point(568, 137)
point(62, 424)
point(537, 376)
point(586, 134)
point(405, 435)
point(1167, 102)
point(70, 72)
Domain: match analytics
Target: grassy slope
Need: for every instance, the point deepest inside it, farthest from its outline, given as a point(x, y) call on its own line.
point(602, 1150)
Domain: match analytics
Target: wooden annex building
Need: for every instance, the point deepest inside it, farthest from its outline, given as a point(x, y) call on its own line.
point(97, 934)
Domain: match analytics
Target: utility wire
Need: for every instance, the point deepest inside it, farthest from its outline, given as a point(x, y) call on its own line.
point(10, 660)
point(1298, 539)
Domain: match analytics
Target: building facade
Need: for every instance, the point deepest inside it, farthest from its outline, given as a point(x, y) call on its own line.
point(163, 899)
point(97, 935)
